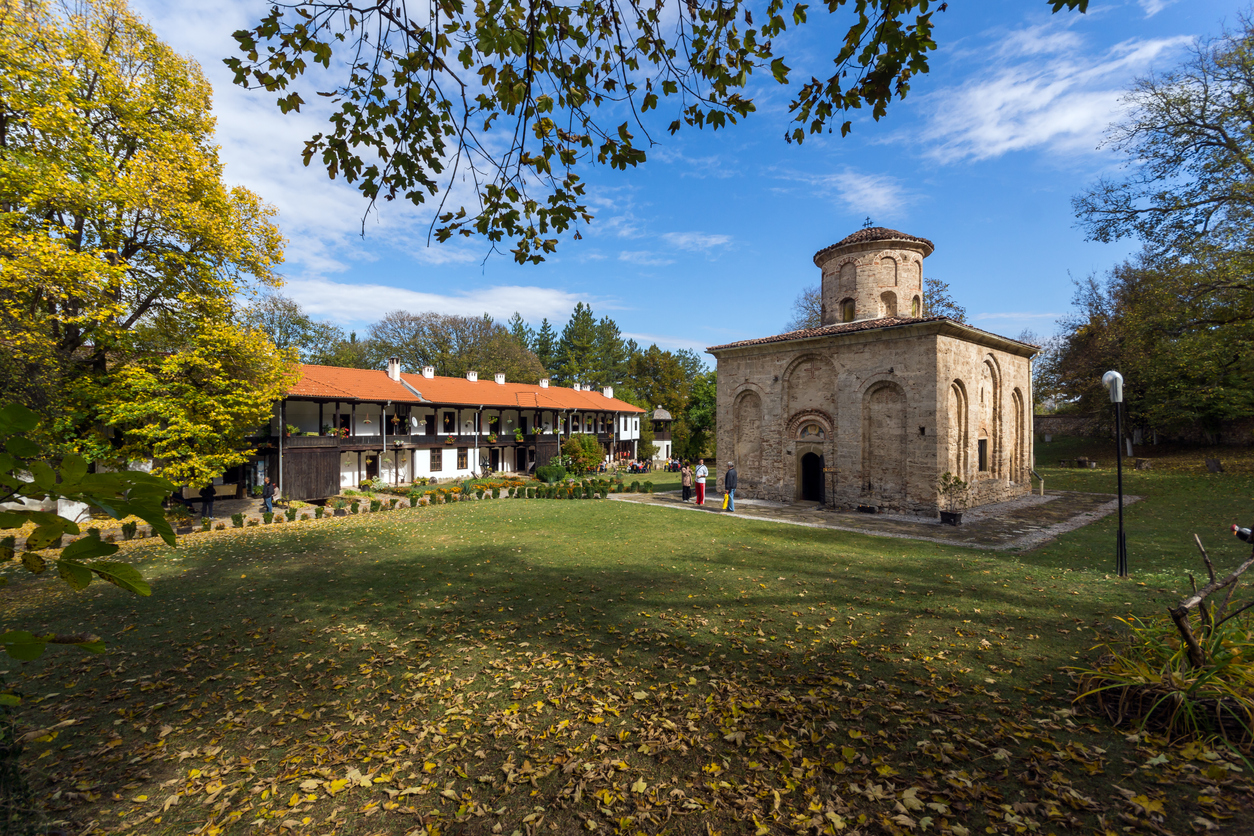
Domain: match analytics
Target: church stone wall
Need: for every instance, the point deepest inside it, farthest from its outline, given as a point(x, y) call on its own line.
point(889, 411)
point(841, 400)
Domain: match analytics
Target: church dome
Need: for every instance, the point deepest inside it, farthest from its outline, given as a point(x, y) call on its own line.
point(873, 234)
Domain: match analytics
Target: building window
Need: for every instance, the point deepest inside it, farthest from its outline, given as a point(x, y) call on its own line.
point(437, 461)
point(846, 311)
point(574, 423)
point(982, 446)
point(494, 424)
point(915, 307)
point(450, 422)
point(462, 456)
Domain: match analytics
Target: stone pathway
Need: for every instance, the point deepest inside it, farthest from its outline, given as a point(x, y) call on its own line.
point(1007, 526)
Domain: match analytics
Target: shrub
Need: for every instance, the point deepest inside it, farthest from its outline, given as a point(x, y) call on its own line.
point(479, 493)
point(648, 487)
point(531, 493)
point(220, 527)
point(375, 505)
point(635, 487)
point(550, 473)
point(392, 503)
point(583, 451)
point(496, 493)
point(319, 511)
point(254, 522)
point(129, 529)
point(413, 500)
point(304, 516)
point(237, 520)
point(354, 506)
point(267, 516)
point(205, 524)
point(290, 513)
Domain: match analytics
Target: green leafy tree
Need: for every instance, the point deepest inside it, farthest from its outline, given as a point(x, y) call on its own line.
point(698, 419)
point(115, 226)
point(610, 354)
point(937, 301)
point(1143, 322)
point(582, 452)
point(350, 353)
point(289, 327)
point(645, 448)
point(520, 96)
point(29, 478)
point(453, 344)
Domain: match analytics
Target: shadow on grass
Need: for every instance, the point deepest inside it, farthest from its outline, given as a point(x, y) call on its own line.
point(480, 636)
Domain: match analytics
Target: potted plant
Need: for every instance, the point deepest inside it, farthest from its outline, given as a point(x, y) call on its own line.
point(518, 434)
point(492, 438)
point(292, 430)
point(953, 497)
point(327, 429)
point(450, 440)
point(343, 432)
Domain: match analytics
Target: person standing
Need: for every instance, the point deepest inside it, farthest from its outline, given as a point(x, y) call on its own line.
point(685, 481)
point(729, 484)
point(207, 493)
point(267, 497)
point(701, 472)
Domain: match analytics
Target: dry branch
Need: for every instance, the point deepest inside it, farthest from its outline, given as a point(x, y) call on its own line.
point(1180, 612)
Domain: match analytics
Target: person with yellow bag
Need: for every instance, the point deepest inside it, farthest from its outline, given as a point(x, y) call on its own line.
point(729, 488)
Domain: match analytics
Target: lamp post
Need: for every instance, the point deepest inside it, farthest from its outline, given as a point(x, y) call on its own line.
point(1113, 381)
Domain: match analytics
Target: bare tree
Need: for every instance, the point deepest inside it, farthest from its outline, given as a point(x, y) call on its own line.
point(807, 309)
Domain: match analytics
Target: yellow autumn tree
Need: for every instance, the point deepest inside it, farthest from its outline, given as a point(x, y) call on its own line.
point(122, 252)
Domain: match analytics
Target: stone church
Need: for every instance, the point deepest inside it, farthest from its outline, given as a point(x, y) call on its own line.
point(875, 405)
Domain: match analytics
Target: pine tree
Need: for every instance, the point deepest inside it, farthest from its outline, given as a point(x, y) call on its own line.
point(522, 332)
point(545, 346)
point(576, 351)
point(609, 355)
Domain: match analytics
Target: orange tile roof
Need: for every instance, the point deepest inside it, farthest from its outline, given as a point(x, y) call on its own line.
point(333, 382)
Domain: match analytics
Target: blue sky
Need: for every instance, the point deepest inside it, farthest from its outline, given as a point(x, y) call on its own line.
point(712, 239)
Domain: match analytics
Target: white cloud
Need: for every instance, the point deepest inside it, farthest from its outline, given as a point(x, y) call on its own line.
point(860, 193)
point(1153, 7)
point(1041, 89)
point(644, 258)
point(696, 241)
point(356, 304)
point(666, 342)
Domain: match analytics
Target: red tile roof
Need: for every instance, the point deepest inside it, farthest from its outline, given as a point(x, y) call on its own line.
point(333, 382)
point(862, 325)
point(876, 233)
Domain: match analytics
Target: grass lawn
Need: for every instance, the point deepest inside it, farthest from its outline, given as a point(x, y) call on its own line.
point(551, 666)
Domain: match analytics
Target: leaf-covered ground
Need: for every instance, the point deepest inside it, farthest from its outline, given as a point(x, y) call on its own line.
point(552, 666)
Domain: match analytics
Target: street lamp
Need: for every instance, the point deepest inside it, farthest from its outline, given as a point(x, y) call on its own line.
point(1113, 381)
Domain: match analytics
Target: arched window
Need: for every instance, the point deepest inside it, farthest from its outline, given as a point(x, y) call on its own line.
point(846, 310)
point(916, 307)
point(888, 303)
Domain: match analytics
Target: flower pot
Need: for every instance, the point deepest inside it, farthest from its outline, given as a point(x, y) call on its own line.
point(951, 517)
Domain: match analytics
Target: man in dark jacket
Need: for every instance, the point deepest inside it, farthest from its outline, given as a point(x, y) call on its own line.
point(207, 493)
point(267, 496)
point(729, 484)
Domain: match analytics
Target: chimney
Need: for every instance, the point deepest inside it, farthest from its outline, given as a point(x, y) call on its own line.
point(394, 368)
point(577, 387)
point(473, 377)
point(428, 372)
point(544, 383)
point(608, 392)
point(500, 378)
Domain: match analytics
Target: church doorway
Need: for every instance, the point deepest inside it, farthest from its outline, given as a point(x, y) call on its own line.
point(812, 478)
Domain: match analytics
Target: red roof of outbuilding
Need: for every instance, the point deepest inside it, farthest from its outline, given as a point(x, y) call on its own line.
point(334, 382)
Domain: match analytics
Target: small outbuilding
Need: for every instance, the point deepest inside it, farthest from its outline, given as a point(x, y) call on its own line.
point(872, 407)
